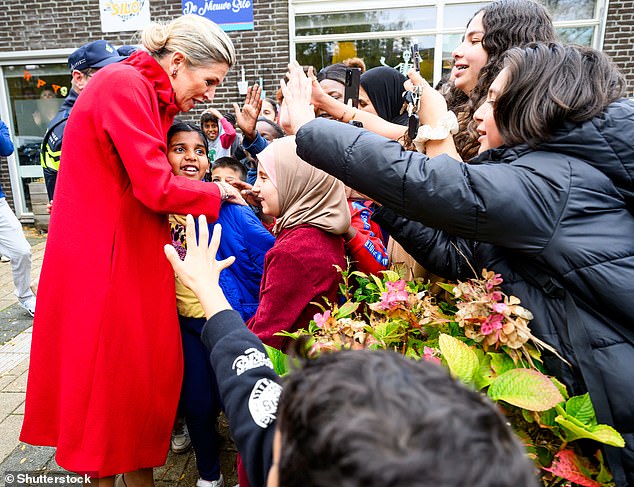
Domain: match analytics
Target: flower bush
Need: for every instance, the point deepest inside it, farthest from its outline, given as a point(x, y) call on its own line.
point(482, 337)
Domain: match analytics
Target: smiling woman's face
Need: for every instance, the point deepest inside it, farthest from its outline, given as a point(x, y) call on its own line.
point(470, 56)
point(197, 84)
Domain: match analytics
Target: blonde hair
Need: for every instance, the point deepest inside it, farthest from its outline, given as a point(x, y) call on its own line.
point(197, 38)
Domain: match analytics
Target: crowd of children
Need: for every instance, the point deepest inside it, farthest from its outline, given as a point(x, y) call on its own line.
point(289, 196)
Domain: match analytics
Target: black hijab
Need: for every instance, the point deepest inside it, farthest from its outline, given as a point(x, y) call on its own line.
point(384, 86)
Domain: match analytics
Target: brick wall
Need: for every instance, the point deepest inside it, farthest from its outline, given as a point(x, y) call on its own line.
point(48, 24)
point(619, 38)
point(54, 24)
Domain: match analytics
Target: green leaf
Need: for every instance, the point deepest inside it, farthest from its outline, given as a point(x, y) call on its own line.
point(447, 287)
point(547, 418)
point(484, 374)
point(379, 284)
point(278, 359)
point(561, 387)
point(391, 276)
point(346, 309)
point(461, 359)
point(525, 388)
point(602, 432)
point(501, 362)
point(581, 408)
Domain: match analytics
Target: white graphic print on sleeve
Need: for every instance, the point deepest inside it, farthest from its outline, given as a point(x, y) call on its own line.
point(263, 402)
point(251, 359)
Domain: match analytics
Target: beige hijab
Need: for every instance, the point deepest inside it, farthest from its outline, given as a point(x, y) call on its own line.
point(306, 194)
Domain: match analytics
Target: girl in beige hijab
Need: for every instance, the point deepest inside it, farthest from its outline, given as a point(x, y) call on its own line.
point(311, 216)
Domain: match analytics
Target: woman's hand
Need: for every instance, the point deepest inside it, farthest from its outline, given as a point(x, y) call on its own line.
point(296, 108)
point(200, 271)
point(247, 118)
point(230, 194)
point(246, 191)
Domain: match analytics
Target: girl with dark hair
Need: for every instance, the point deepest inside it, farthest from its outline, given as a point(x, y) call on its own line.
point(381, 93)
point(548, 204)
point(491, 32)
point(269, 109)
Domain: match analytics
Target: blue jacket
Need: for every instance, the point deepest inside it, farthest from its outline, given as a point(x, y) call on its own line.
point(244, 237)
point(6, 145)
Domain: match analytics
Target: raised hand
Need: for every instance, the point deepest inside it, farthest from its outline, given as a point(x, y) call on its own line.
point(247, 117)
point(296, 106)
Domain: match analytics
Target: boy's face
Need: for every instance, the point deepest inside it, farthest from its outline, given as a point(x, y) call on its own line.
point(211, 129)
point(187, 156)
point(225, 175)
point(267, 132)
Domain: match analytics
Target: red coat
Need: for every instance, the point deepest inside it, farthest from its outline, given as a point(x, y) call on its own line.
point(106, 359)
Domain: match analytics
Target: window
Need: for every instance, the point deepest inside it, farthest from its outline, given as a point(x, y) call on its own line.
point(35, 93)
point(326, 32)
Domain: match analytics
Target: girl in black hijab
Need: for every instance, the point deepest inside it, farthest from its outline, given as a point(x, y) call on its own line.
point(382, 93)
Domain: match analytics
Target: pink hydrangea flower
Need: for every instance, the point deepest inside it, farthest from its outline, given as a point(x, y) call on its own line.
point(431, 355)
point(491, 324)
point(499, 307)
point(321, 319)
point(495, 296)
point(395, 295)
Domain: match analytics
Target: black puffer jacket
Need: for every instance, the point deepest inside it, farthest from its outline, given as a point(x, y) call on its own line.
point(545, 219)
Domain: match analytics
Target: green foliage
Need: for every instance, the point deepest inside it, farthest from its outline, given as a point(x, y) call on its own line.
point(278, 359)
point(461, 359)
point(482, 337)
point(525, 388)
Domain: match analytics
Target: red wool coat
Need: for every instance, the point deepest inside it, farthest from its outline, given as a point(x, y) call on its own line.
point(106, 360)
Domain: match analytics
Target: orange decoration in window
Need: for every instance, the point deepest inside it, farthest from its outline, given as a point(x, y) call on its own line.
point(27, 75)
point(40, 83)
point(55, 88)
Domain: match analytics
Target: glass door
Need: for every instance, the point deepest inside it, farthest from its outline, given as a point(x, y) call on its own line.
point(34, 94)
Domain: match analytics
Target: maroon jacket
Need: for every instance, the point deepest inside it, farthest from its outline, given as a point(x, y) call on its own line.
point(299, 269)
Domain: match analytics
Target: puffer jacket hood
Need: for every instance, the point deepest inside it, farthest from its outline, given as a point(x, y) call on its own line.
point(603, 143)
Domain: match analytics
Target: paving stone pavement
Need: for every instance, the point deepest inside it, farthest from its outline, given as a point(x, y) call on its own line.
point(15, 341)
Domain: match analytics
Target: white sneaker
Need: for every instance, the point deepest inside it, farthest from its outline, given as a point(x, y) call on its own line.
point(28, 304)
point(211, 483)
point(180, 437)
point(4, 258)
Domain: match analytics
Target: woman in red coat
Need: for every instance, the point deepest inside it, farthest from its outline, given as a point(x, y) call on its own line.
point(106, 364)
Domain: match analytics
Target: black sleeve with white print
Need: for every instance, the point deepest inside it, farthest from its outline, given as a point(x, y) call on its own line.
point(249, 388)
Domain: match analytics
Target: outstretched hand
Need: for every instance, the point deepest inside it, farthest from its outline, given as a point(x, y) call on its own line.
point(200, 271)
point(247, 117)
point(296, 107)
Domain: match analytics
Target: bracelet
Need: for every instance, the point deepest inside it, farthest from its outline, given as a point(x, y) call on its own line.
point(224, 194)
point(447, 124)
point(354, 114)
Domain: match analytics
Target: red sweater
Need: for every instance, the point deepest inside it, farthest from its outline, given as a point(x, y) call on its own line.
point(298, 269)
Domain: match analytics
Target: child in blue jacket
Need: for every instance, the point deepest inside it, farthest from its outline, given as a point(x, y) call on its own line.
point(246, 238)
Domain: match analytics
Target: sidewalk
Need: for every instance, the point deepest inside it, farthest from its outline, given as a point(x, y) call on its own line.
point(15, 344)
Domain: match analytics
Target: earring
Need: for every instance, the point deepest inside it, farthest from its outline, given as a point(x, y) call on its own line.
point(174, 71)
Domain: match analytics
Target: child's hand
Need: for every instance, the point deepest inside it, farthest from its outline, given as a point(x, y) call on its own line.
point(246, 190)
point(200, 270)
point(214, 112)
point(296, 108)
point(247, 117)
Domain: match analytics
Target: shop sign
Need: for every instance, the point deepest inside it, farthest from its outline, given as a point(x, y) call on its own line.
point(228, 14)
point(119, 16)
